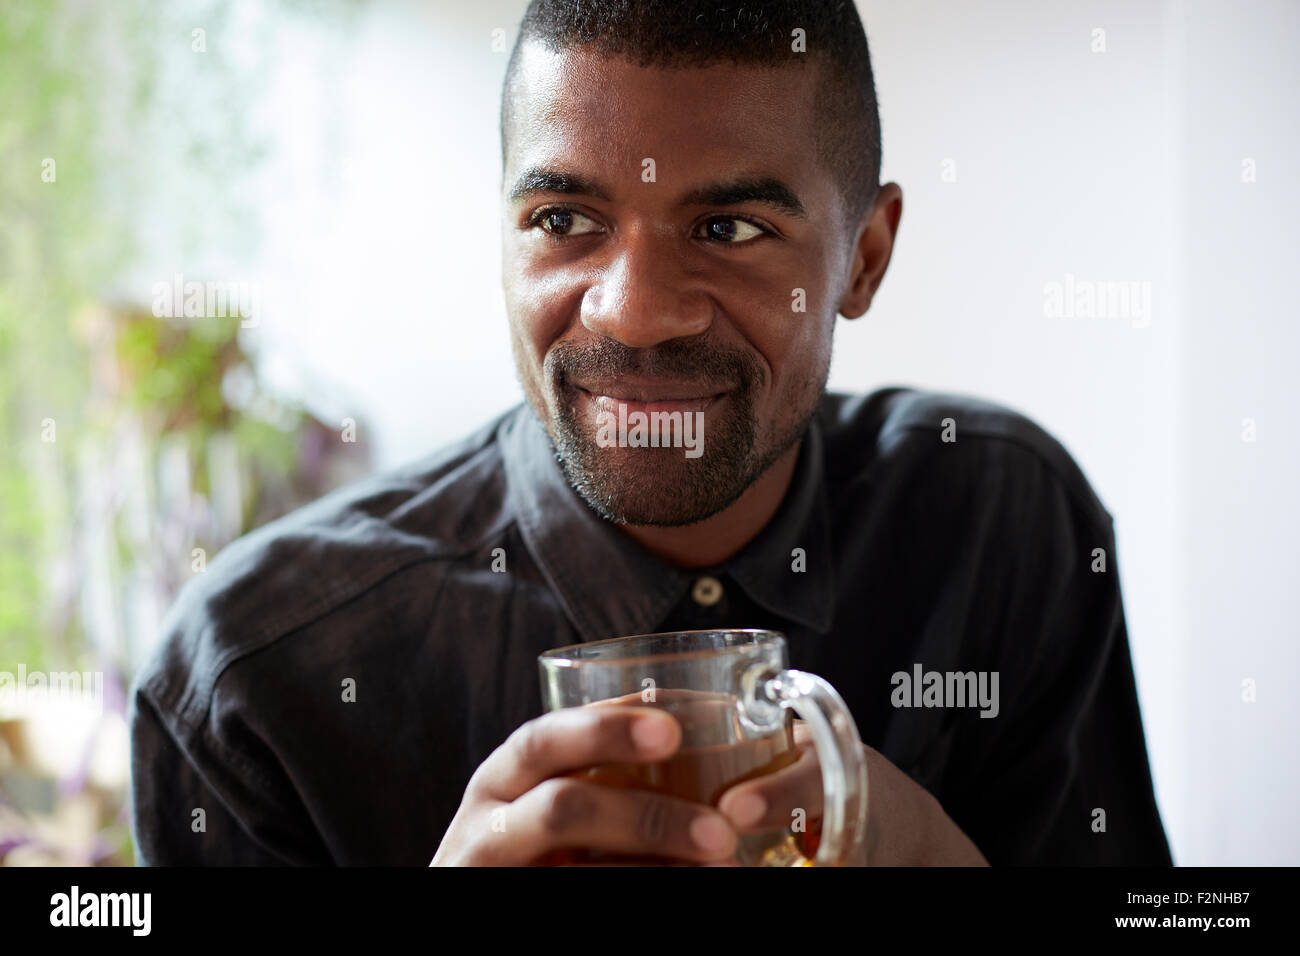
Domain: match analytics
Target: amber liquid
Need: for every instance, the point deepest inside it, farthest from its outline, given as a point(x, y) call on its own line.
point(701, 775)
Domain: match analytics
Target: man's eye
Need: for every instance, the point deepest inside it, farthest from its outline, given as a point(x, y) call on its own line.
point(731, 230)
point(568, 222)
point(563, 222)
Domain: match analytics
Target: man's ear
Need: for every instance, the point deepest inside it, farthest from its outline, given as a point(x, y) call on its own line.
point(871, 253)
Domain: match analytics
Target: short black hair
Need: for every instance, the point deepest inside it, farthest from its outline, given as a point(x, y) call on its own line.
point(675, 33)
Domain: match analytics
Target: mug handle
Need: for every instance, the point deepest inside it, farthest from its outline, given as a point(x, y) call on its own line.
point(768, 694)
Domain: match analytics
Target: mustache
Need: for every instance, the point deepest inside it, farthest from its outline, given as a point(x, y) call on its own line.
point(676, 359)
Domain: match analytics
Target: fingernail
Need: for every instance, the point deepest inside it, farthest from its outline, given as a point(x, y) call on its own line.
point(747, 809)
point(710, 834)
point(651, 733)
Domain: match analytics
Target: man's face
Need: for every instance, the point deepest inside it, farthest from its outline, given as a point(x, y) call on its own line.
point(654, 260)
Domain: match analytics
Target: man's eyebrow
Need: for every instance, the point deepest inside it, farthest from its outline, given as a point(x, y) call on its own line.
point(769, 191)
point(543, 179)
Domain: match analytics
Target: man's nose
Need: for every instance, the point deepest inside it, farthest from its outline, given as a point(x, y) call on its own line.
point(644, 296)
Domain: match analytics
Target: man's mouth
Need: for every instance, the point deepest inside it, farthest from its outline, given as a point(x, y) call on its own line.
point(648, 396)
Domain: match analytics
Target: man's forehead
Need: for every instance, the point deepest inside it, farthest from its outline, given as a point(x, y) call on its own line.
point(576, 103)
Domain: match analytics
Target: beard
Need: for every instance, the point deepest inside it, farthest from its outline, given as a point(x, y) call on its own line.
point(648, 486)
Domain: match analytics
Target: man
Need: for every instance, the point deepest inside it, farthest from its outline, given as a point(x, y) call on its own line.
point(691, 196)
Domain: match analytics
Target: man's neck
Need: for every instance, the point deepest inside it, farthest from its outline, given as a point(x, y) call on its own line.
point(714, 540)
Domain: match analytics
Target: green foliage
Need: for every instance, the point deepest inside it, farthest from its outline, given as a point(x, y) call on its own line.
point(116, 134)
point(141, 129)
point(51, 253)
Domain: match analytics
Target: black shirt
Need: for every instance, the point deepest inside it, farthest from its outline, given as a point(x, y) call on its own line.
point(324, 691)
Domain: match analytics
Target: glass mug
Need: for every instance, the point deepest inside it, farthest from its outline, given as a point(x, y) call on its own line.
point(736, 701)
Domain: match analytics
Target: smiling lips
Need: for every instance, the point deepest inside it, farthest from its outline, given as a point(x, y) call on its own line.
point(649, 395)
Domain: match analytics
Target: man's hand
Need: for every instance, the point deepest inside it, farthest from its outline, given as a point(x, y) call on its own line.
point(905, 824)
point(518, 806)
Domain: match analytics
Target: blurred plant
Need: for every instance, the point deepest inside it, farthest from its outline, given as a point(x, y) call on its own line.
point(129, 442)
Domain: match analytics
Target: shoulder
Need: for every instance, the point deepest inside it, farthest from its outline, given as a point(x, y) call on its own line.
point(950, 440)
point(311, 562)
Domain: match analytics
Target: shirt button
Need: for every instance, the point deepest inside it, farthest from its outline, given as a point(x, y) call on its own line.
point(707, 591)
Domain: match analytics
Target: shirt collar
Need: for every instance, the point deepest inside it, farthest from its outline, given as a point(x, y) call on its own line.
point(610, 586)
point(767, 567)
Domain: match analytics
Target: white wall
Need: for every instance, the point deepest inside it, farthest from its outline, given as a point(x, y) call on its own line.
point(1124, 165)
point(1240, 244)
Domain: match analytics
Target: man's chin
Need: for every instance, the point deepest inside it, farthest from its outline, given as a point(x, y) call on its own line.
point(655, 487)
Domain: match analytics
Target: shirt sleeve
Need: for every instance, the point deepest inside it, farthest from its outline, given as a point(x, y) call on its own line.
point(190, 808)
point(1060, 776)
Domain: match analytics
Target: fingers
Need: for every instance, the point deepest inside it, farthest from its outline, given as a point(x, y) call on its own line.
point(772, 800)
point(568, 812)
point(571, 739)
